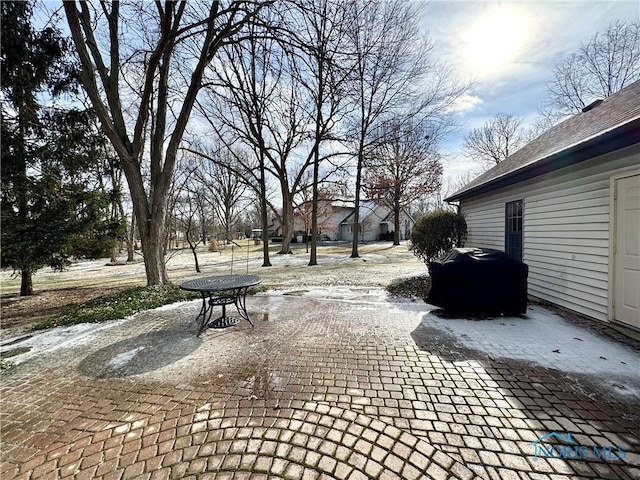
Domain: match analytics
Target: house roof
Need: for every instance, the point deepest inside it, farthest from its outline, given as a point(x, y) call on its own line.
point(366, 208)
point(608, 125)
point(343, 204)
point(389, 217)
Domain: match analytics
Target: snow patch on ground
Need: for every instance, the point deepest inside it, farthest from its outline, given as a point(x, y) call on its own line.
point(540, 337)
point(122, 359)
point(59, 337)
point(50, 340)
point(342, 293)
point(546, 339)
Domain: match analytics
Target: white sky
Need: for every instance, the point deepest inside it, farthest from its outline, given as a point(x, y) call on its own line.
point(508, 49)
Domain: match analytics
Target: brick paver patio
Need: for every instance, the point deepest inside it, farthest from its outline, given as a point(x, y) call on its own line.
point(320, 388)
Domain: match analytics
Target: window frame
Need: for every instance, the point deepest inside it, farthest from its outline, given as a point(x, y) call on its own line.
point(514, 229)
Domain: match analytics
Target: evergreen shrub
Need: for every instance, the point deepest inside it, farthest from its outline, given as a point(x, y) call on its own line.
point(436, 232)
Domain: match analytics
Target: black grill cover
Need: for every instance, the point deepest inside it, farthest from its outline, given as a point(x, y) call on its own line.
point(478, 281)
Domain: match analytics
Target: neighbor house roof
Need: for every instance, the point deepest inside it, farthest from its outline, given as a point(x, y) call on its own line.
point(602, 127)
point(389, 217)
point(366, 208)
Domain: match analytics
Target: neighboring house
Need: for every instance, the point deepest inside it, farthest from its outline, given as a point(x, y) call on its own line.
point(330, 214)
point(376, 221)
point(335, 221)
point(568, 205)
point(274, 229)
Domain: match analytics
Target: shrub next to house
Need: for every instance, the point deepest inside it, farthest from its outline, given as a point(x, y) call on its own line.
point(436, 232)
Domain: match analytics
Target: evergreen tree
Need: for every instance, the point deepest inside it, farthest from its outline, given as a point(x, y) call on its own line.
point(50, 209)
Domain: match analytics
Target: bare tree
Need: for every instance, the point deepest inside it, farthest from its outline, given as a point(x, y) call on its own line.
point(187, 211)
point(224, 190)
point(603, 65)
point(394, 69)
point(403, 167)
point(495, 140)
point(271, 101)
point(317, 32)
point(157, 66)
point(259, 107)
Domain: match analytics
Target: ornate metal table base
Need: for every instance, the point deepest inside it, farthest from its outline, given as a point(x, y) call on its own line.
point(222, 291)
point(222, 322)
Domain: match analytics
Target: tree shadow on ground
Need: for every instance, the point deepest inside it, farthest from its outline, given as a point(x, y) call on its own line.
point(142, 354)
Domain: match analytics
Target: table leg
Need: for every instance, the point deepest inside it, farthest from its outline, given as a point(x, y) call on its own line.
point(241, 304)
point(205, 313)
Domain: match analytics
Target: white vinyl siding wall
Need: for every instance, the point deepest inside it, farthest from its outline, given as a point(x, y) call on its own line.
point(566, 215)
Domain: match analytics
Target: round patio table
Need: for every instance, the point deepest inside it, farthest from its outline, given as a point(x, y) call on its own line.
point(221, 290)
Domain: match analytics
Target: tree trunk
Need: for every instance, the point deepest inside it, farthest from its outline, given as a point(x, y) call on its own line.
point(153, 254)
point(204, 229)
point(131, 238)
point(152, 229)
point(396, 223)
point(193, 247)
point(195, 258)
point(356, 213)
point(287, 223)
point(26, 283)
point(227, 230)
point(264, 217)
point(151, 217)
point(313, 259)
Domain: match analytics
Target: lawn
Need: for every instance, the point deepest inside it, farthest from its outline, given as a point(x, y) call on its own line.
point(98, 290)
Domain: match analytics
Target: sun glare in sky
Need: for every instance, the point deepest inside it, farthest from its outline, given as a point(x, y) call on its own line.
point(495, 39)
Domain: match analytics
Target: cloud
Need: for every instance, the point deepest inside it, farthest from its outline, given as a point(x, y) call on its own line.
point(465, 103)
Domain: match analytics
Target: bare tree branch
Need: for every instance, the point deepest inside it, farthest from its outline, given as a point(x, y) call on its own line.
point(495, 140)
point(603, 65)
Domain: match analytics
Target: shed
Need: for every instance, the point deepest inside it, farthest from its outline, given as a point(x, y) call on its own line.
point(568, 205)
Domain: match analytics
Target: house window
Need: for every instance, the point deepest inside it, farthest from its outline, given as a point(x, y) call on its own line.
point(513, 230)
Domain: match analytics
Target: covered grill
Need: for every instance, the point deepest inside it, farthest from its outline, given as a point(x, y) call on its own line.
point(478, 281)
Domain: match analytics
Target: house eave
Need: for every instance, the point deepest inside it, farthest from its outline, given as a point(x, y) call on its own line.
point(608, 141)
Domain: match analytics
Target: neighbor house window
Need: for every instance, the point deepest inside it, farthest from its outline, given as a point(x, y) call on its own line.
point(513, 230)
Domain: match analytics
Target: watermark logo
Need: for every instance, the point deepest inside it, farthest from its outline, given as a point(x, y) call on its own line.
point(557, 445)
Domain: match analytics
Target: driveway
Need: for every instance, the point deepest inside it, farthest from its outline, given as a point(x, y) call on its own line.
point(330, 383)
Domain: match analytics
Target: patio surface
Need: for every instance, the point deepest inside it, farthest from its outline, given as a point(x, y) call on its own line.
point(332, 383)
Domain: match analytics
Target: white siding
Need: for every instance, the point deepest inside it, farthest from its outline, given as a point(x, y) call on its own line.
point(566, 227)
